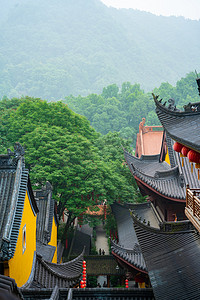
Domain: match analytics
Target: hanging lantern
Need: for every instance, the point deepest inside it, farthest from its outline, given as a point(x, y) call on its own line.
point(84, 263)
point(184, 152)
point(82, 284)
point(126, 283)
point(194, 157)
point(177, 147)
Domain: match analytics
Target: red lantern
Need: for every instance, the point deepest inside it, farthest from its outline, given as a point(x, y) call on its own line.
point(184, 152)
point(194, 157)
point(177, 147)
point(84, 271)
point(126, 283)
point(84, 263)
point(82, 284)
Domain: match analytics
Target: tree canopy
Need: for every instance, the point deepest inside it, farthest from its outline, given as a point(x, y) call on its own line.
point(122, 109)
point(63, 148)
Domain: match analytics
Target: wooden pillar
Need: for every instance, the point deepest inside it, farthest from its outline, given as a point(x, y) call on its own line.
point(193, 202)
point(187, 187)
point(108, 280)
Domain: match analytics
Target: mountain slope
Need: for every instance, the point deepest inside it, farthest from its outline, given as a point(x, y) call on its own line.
point(51, 49)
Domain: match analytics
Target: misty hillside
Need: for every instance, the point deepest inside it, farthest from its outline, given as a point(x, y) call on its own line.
point(54, 48)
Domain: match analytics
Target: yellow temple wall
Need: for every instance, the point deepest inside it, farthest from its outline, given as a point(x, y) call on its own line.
point(167, 158)
point(53, 241)
point(20, 266)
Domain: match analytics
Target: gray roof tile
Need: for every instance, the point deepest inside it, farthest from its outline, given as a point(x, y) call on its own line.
point(173, 261)
point(128, 246)
point(48, 275)
point(182, 126)
point(14, 183)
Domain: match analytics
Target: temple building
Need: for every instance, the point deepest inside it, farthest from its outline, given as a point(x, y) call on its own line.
point(163, 177)
point(126, 249)
point(172, 250)
point(29, 250)
point(183, 128)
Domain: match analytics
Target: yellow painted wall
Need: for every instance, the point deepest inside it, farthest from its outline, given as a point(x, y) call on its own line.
point(20, 265)
point(167, 157)
point(53, 241)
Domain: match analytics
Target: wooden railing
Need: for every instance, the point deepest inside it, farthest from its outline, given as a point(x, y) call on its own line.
point(193, 205)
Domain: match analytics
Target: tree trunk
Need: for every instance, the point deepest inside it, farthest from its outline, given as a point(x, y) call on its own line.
point(70, 219)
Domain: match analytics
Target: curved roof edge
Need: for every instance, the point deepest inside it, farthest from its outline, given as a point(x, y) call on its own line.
point(179, 227)
point(133, 257)
point(172, 110)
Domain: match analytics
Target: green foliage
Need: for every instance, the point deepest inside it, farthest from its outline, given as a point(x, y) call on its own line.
point(63, 148)
point(122, 109)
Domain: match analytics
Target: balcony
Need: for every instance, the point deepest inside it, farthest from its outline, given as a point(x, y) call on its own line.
point(192, 210)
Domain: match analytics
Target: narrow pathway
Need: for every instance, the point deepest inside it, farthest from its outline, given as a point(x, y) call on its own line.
point(101, 240)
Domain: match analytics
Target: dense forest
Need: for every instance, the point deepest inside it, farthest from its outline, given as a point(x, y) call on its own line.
point(122, 109)
point(51, 49)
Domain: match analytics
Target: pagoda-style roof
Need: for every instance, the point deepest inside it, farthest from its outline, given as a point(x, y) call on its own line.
point(128, 249)
point(48, 275)
point(14, 182)
point(163, 179)
point(182, 126)
point(46, 205)
point(9, 287)
point(172, 259)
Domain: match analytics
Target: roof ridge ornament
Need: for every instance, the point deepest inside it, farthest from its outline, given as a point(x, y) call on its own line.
point(17, 154)
point(171, 102)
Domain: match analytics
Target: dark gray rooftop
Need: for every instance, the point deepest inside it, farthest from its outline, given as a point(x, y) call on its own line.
point(170, 181)
point(8, 285)
point(14, 182)
point(182, 126)
point(173, 262)
point(48, 275)
point(128, 246)
point(46, 205)
point(46, 251)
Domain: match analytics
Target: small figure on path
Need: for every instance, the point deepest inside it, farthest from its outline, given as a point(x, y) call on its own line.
point(98, 285)
point(103, 252)
point(100, 251)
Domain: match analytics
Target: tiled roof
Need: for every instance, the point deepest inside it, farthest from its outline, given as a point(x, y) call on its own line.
point(13, 186)
point(46, 205)
point(46, 251)
point(182, 126)
point(60, 249)
point(169, 181)
point(8, 285)
point(160, 176)
point(128, 247)
point(173, 261)
point(48, 275)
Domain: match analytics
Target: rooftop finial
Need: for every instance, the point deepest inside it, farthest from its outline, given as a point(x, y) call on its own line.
point(198, 81)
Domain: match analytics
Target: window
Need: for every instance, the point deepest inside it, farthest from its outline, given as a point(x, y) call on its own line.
point(24, 239)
